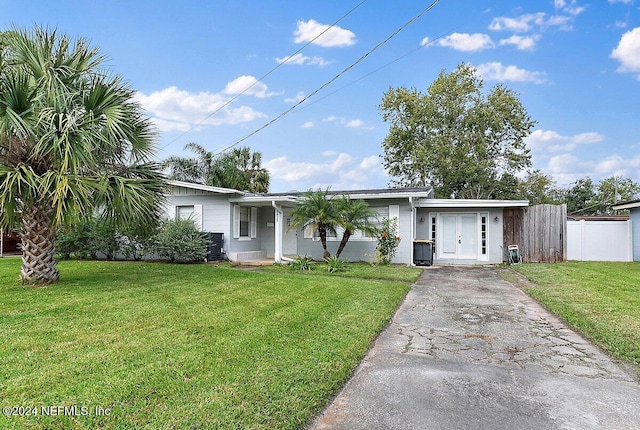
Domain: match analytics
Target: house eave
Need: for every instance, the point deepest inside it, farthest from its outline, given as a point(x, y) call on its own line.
point(626, 205)
point(265, 200)
point(470, 203)
point(201, 187)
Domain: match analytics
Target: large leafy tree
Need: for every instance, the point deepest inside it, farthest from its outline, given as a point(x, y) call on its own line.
point(454, 137)
point(316, 213)
point(615, 189)
point(354, 215)
point(581, 198)
point(72, 143)
point(539, 188)
point(239, 168)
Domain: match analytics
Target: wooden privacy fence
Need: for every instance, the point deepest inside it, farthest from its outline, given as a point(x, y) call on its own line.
point(539, 231)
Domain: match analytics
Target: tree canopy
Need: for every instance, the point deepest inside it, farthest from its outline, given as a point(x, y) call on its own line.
point(73, 142)
point(454, 137)
point(240, 169)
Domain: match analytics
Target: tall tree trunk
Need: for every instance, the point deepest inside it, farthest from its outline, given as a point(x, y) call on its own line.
point(345, 238)
point(38, 246)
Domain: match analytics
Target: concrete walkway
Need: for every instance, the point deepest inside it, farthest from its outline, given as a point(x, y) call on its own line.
point(467, 350)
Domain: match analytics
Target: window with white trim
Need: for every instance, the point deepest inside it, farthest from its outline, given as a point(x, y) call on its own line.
point(184, 212)
point(245, 222)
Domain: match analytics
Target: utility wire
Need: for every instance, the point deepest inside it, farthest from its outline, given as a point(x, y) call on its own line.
point(431, 42)
point(326, 84)
point(228, 102)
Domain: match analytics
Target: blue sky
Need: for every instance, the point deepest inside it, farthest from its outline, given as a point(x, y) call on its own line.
point(574, 63)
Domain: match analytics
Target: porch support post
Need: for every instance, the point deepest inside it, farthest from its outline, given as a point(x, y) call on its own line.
point(278, 216)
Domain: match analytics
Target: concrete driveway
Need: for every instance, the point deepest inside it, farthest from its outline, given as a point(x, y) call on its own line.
point(467, 350)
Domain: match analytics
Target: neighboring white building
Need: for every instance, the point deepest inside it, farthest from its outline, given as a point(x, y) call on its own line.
point(634, 220)
point(255, 226)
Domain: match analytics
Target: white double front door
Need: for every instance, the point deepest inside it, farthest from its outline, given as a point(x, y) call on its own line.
point(458, 236)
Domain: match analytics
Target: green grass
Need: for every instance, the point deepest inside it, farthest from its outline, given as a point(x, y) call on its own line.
point(600, 299)
point(184, 346)
point(398, 273)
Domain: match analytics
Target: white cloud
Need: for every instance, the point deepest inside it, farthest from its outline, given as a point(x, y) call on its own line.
point(302, 60)
point(571, 8)
point(628, 51)
point(527, 22)
point(621, 1)
point(295, 99)
point(174, 109)
point(425, 41)
point(552, 141)
point(615, 165)
point(521, 24)
point(372, 162)
point(341, 171)
point(467, 42)
point(308, 124)
point(567, 168)
point(334, 36)
point(355, 123)
point(248, 85)
point(522, 43)
point(498, 72)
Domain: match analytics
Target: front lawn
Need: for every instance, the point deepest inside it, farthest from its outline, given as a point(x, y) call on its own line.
point(390, 272)
point(151, 345)
point(600, 299)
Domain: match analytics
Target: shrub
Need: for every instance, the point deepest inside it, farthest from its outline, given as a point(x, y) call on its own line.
point(301, 263)
point(78, 240)
point(388, 241)
point(335, 264)
point(178, 240)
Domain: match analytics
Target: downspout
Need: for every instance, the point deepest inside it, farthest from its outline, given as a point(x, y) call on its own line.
point(412, 227)
point(279, 218)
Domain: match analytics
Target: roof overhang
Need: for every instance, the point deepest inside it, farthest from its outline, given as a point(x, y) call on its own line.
point(626, 205)
point(201, 187)
point(471, 203)
point(265, 200)
point(398, 195)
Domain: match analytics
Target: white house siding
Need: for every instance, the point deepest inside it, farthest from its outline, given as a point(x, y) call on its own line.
point(494, 229)
point(634, 218)
point(211, 214)
point(599, 240)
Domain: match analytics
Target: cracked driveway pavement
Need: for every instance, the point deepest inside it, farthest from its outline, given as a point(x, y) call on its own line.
point(468, 350)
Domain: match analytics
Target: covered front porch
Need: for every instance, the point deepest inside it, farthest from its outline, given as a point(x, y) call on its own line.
point(262, 230)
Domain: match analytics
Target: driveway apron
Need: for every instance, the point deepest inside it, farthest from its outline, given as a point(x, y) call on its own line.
point(468, 350)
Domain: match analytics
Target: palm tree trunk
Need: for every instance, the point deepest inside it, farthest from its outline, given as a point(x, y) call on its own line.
point(322, 230)
point(38, 246)
point(343, 242)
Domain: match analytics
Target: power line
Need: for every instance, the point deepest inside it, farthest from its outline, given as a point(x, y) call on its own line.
point(265, 75)
point(326, 84)
point(413, 51)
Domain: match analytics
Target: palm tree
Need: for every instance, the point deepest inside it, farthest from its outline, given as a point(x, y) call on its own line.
point(354, 216)
point(250, 163)
point(196, 170)
point(239, 169)
point(72, 143)
point(316, 213)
